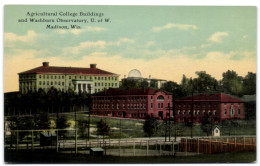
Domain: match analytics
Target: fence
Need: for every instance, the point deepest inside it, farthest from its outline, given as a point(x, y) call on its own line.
point(67, 141)
point(218, 145)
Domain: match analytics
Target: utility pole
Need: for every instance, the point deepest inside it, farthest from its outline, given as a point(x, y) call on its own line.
point(168, 124)
point(192, 111)
point(89, 110)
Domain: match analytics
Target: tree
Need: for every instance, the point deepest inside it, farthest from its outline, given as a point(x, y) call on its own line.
point(129, 83)
point(249, 84)
point(206, 125)
point(232, 83)
point(173, 88)
point(205, 83)
point(82, 125)
point(62, 123)
point(150, 126)
point(102, 129)
point(42, 121)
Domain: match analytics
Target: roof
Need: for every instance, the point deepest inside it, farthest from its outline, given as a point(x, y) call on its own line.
point(120, 91)
point(67, 70)
point(219, 97)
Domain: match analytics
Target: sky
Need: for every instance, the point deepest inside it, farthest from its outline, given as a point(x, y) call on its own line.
point(162, 41)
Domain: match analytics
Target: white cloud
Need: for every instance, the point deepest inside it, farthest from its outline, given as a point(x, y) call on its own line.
point(217, 37)
point(11, 37)
point(205, 45)
point(178, 26)
point(121, 41)
point(150, 43)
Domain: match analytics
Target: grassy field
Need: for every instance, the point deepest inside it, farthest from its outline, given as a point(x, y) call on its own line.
point(52, 157)
point(134, 128)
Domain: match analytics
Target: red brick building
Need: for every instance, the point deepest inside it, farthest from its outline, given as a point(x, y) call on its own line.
point(218, 107)
point(132, 103)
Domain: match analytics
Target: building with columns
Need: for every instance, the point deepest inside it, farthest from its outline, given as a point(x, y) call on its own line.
point(64, 78)
point(217, 107)
point(132, 103)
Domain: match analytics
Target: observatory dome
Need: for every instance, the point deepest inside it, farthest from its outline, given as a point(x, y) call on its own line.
point(135, 73)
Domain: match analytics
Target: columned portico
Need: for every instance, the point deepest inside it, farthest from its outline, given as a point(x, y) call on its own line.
point(82, 85)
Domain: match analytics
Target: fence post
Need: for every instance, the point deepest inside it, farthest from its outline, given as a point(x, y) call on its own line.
point(210, 145)
point(198, 144)
point(160, 149)
point(235, 143)
point(172, 147)
point(57, 140)
point(147, 147)
point(244, 143)
point(17, 140)
point(76, 146)
point(134, 147)
point(186, 146)
point(32, 142)
point(119, 148)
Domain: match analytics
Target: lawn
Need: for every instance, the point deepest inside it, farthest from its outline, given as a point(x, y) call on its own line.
point(52, 157)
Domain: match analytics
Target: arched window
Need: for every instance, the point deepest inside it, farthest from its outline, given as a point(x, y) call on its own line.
point(160, 98)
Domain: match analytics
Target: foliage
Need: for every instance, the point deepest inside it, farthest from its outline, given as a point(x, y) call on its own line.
point(150, 126)
point(206, 125)
point(102, 128)
point(82, 125)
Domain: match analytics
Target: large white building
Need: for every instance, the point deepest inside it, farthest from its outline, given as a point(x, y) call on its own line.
point(64, 78)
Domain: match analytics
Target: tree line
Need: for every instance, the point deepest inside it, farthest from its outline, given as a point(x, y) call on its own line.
point(52, 101)
point(231, 83)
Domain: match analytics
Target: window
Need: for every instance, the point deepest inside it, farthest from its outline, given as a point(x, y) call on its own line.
point(161, 105)
point(115, 84)
point(95, 84)
point(69, 77)
point(51, 77)
point(112, 84)
point(231, 112)
point(58, 83)
point(40, 76)
point(179, 112)
point(225, 112)
point(151, 105)
point(40, 83)
point(158, 105)
point(184, 112)
point(198, 112)
point(90, 78)
point(47, 76)
point(43, 76)
point(43, 83)
point(55, 77)
point(51, 83)
point(238, 111)
point(160, 98)
point(62, 83)
point(47, 82)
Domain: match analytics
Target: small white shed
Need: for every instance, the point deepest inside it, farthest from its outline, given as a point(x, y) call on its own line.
point(216, 131)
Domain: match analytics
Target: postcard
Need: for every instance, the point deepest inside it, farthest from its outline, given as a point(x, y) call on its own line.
point(129, 84)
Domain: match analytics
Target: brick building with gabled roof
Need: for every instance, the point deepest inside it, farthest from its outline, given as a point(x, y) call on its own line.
point(217, 107)
point(64, 78)
point(132, 103)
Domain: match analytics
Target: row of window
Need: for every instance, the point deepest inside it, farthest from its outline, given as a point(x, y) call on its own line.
point(232, 112)
point(138, 98)
point(134, 115)
point(76, 77)
point(184, 112)
point(52, 83)
point(196, 105)
point(106, 84)
point(124, 106)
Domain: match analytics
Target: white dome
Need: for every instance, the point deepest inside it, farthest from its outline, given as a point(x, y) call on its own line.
point(135, 73)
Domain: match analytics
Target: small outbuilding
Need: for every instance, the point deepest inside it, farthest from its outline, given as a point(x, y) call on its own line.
point(96, 151)
point(216, 131)
point(48, 138)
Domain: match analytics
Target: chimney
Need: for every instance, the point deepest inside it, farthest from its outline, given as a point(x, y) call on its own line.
point(93, 66)
point(45, 64)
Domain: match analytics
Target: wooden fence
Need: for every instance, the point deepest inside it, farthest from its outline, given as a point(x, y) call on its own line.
point(218, 145)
